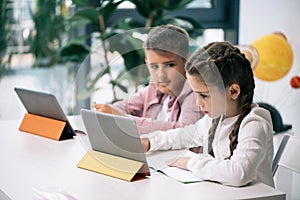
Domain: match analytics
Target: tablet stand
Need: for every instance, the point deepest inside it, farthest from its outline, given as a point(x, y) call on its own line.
point(111, 165)
point(46, 127)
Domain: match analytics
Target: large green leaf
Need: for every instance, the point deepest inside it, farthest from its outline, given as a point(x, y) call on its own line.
point(128, 24)
point(196, 30)
point(78, 21)
point(93, 82)
point(143, 7)
point(189, 24)
point(159, 3)
point(74, 52)
point(80, 3)
point(123, 75)
point(122, 87)
point(132, 59)
point(109, 9)
point(89, 13)
point(129, 48)
point(137, 45)
point(84, 94)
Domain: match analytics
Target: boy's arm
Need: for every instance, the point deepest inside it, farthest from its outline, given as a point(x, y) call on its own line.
point(189, 114)
point(134, 105)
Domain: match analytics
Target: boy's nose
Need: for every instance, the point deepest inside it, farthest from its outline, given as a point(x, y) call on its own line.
point(161, 73)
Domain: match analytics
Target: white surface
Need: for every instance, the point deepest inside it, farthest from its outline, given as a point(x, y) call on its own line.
point(31, 162)
point(258, 18)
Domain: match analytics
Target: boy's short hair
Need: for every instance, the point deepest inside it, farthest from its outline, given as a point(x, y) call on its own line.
point(168, 38)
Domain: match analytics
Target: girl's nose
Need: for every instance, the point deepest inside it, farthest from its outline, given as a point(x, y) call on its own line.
point(200, 103)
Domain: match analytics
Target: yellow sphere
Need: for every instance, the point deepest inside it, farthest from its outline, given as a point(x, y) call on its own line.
point(275, 57)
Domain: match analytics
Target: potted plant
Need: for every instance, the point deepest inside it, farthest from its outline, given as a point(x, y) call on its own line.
point(49, 31)
point(4, 32)
point(153, 13)
point(46, 37)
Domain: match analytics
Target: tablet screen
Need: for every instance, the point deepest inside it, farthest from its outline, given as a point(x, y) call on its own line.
point(40, 103)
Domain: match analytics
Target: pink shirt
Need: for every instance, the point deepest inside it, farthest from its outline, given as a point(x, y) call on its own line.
point(145, 105)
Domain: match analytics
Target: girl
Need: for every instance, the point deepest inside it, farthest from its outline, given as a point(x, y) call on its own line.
point(168, 101)
point(236, 134)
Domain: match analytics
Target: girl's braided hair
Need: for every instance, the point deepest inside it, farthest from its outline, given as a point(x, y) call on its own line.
point(221, 64)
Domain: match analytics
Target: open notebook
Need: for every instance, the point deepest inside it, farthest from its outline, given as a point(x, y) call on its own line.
point(157, 162)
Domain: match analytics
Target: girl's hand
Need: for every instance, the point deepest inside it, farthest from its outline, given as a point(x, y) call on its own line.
point(106, 109)
point(180, 162)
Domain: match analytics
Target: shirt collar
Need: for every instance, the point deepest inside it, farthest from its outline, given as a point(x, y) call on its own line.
point(161, 97)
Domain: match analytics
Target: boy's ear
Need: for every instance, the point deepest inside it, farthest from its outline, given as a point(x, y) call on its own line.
point(234, 91)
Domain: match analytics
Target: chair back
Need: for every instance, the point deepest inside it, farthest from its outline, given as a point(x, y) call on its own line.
point(279, 153)
point(286, 176)
point(286, 155)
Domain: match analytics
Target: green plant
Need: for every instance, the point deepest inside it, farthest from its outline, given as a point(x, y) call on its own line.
point(49, 29)
point(154, 12)
point(157, 12)
point(5, 31)
point(77, 52)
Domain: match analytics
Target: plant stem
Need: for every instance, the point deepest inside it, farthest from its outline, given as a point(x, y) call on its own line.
point(140, 69)
point(149, 21)
point(102, 29)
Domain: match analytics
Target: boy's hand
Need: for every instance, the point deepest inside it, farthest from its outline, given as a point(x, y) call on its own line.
point(106, 109)
point(180, 162)
point(146, 144)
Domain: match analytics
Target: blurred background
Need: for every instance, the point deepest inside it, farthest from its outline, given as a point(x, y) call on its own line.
point(84, 51)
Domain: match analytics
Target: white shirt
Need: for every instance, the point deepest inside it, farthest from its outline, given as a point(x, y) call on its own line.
point(251, 160)
point(164, 114)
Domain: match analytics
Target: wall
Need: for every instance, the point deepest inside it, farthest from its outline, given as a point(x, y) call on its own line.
point(258, 18)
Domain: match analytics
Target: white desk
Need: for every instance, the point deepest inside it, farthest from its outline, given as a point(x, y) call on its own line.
point(29, 161)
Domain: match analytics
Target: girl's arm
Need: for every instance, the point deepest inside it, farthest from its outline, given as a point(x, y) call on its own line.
point(180, 138)
point(189, 114)
point(253, 153)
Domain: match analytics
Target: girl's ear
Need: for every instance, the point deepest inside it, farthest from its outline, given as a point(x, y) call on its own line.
point(234, 91)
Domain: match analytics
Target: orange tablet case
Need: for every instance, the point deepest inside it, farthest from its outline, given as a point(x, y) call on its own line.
point(46, 127)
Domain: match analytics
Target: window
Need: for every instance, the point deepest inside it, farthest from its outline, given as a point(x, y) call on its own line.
point(211, 14)
point(219, 19)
